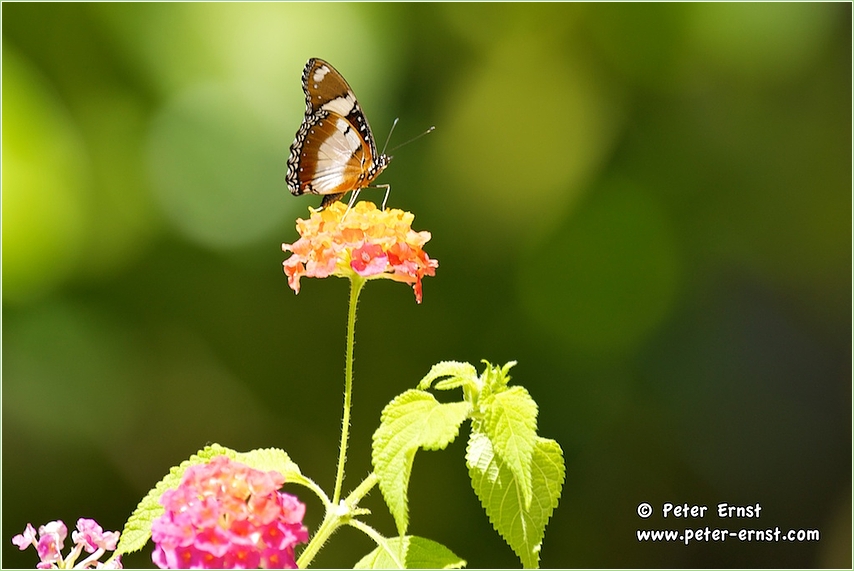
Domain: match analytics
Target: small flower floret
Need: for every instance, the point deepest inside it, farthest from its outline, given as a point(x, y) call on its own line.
point(89, 537)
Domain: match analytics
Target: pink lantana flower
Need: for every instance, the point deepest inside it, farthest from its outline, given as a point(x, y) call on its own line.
point(93, 537)
point(89, 537)
point(226, 515)
point(367, 242)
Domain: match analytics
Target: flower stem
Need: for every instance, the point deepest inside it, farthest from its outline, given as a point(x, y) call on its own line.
point(335, 517)
point(356, 284)
point(327, 528)
point(362, 489)
point(339, 512)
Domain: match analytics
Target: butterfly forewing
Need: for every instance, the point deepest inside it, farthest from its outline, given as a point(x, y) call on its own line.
point(334, 150)
point(323, 84)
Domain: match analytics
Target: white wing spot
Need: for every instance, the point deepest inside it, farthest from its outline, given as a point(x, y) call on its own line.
point(320, 73)
point(341, 105)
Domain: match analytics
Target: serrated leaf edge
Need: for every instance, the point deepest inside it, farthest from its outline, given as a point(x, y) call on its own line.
point(502, 417)
point(528, 559)
point(149, 507)
point(462, 373)
point(393, 542)
point(407, 450)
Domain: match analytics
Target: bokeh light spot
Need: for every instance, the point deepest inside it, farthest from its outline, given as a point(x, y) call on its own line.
point(45, 178)
point(217, 166)
point(759, 41)
point(520, 135)
point(608, 278)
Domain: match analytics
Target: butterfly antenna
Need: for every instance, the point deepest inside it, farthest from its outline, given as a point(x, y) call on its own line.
point(427, 132)
point(390, 131)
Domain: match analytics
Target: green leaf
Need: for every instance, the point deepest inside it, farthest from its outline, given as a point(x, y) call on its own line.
point(493, 379)
point(510, 422)
point(460, 374)
point(414, 419)
point(137, 530)
point(500, 493)
point(277, 459)
point(414, 552)
point(267, 459)
point(274, 459)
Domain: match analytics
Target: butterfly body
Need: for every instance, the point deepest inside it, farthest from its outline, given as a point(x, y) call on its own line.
point(334, 150)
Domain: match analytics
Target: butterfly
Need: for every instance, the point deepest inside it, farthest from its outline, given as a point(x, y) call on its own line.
point(334, 151)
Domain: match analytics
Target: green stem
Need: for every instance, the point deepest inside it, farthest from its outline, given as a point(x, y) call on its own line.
point(339, 513)
point(336, 517)
point(356, 284)
point(362, 489)
point(330, 523)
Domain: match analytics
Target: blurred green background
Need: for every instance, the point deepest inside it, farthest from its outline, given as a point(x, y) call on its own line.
point(647, 205)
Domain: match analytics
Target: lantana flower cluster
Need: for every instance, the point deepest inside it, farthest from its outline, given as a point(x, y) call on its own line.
point(363, 241)
point(88, 537)
point(226, 515)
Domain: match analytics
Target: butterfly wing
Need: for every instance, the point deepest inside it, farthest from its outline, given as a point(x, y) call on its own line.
point(334, 150)
point(325, 88)
point(333, 156)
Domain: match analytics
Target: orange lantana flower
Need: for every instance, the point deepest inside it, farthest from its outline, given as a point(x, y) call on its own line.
point(367, 242)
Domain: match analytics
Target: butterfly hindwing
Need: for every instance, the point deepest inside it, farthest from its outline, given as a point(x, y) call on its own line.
point(334, 153)
point(334, 150)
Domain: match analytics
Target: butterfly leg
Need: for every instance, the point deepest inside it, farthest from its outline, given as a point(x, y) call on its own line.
point(353, 198)
point(351, 203)
point(387, 188)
